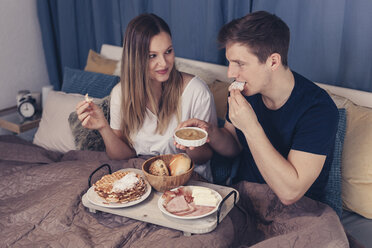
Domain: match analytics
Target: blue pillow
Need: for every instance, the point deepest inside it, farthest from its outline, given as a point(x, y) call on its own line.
point(97, 85)
point(333, 187)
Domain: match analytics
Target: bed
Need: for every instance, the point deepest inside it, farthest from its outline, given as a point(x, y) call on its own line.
point(43, 181)
point(41, 207)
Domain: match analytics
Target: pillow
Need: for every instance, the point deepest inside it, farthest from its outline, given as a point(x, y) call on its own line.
point(97, 85)
point(356, 158)
point(86, 139)
point(207, 76)
point(357, 161)
point(100, 64)
point(220, 93)
point(54, 131)
point(333, 187)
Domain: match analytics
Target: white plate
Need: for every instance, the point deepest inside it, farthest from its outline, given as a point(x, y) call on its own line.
point(162, 209)
point(94, 198)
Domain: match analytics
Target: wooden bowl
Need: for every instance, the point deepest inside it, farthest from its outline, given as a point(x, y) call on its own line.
point(164, 183)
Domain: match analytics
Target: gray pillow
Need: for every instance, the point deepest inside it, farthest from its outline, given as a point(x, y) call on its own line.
point(333, 188)
point(86, 139)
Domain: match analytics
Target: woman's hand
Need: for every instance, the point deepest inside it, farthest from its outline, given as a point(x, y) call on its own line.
point(200, 154)
point(90, 115)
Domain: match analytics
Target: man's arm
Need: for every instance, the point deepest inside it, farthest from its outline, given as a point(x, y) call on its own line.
point(288, 178)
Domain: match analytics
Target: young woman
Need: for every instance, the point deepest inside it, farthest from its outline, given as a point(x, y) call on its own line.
point(151, 99)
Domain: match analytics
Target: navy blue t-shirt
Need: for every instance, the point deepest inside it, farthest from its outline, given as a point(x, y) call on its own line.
point(306, 122)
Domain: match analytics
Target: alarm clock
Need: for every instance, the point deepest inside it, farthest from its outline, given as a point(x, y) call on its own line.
point(26, 104)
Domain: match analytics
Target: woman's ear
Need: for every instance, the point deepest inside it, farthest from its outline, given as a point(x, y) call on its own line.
point(274, 60)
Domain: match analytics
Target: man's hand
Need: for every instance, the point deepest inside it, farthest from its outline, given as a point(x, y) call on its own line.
point(241, 113)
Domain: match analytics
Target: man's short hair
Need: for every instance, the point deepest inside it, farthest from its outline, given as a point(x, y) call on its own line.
point(262, 32)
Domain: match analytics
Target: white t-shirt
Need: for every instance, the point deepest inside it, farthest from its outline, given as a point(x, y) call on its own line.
point(196, 102)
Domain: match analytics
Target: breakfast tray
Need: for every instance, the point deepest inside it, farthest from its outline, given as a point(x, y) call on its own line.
point(148, 210)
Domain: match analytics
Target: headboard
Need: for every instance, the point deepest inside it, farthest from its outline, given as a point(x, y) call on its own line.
point(362, 98)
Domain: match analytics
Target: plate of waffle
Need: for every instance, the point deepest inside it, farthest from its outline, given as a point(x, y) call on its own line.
point(123, 188)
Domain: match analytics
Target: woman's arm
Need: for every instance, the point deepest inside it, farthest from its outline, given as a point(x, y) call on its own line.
point(92, 117)
point(116, 148)
point(222, 140)
point(201, 154)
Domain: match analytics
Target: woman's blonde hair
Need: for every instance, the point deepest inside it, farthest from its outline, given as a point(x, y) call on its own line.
point(135, 81)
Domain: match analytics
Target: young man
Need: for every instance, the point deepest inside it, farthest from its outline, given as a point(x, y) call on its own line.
point(281, 124)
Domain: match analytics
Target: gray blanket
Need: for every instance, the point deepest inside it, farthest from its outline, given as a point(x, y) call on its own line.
point(40, 206)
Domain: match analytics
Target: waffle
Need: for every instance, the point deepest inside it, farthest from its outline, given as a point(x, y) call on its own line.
point(104, 186)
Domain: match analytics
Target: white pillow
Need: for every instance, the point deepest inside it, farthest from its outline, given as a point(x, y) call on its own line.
point(117, 71)
point(206, 75)
point(54, 131)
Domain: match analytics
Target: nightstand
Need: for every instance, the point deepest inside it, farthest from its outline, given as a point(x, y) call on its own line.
point(12, 121)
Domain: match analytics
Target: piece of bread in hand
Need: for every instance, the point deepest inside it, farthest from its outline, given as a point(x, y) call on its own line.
point(236, 86)
point(88, 99)
point(179, 164)
point(158, 168)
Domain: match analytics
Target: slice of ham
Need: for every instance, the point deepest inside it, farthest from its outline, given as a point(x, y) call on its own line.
point(200, 210)
point(177, 204)
point(192, 209)
point(195, 210)
point(180, 202)
point(183, 191)
point(168, 196)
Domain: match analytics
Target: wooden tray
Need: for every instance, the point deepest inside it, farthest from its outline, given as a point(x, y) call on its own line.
point(148, 211)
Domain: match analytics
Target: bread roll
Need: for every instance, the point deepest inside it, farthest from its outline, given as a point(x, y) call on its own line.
point(158, 168)
point(179, 164)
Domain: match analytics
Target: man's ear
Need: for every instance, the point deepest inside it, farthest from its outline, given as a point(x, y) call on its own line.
point(274, 60)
